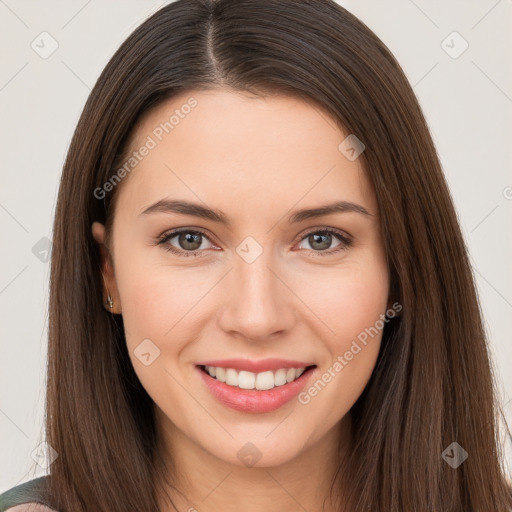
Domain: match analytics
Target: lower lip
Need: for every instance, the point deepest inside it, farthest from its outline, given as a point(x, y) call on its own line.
point(252, 400)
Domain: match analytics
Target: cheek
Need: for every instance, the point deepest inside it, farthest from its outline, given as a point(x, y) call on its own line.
point(349, 300)
point(351, 305)
point(155, 303)
point(155, 297)
point(160, 304)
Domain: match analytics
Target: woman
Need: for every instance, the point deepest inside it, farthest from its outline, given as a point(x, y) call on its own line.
point(319, 345)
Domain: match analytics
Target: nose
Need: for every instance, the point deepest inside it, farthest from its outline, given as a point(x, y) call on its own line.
point(257, 300)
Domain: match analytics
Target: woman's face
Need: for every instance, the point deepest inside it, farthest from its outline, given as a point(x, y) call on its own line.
point(256, 281)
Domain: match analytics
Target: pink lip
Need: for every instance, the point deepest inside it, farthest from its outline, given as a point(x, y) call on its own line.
point(252, 400)
point(256, 366)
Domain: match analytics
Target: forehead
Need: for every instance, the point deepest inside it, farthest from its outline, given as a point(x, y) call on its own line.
point(224, 146)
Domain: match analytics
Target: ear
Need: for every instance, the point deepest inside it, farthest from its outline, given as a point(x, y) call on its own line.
point(107, 269)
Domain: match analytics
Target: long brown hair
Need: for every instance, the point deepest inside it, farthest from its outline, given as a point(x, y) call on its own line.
point(433, 383)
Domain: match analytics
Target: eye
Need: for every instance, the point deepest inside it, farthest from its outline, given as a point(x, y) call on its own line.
point(190, 242)
point(322, 239)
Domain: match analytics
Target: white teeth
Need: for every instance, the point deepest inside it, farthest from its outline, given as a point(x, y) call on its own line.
point(249, 380)
point(280, 377)
point(265, 380)
point(220, 374)
point(231, 377)
point(246, 380)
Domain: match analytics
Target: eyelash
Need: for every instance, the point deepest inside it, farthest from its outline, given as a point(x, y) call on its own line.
point(346, 242)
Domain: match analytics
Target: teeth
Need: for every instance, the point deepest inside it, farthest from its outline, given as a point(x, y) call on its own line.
point(280, 377)
point(231, 377)
point(249, 380)
point(220, 374)
point(264, 380)
point(246, 380)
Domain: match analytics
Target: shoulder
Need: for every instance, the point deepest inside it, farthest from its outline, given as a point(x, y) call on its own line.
point(31, 496)
point(30, 507)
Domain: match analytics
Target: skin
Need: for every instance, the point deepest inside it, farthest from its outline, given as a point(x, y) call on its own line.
point(256, 159)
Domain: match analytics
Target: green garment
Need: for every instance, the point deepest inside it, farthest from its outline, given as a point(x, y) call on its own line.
point(28, 492)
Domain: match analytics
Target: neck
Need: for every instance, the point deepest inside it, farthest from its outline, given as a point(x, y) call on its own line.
point(203, 482)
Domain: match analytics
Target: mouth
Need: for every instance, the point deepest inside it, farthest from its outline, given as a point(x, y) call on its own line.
point(261, 381)
point(255, 392)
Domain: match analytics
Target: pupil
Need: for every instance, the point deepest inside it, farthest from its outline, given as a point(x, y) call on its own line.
point(190, 238)
point(192, 241)
point(326, 240)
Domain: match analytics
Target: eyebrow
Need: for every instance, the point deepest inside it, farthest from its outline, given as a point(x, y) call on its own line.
point(187, 208)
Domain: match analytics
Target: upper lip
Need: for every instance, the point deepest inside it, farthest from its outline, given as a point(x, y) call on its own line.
point(256, 366)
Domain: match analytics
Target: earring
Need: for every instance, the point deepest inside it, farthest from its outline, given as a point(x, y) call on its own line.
point(109, 302)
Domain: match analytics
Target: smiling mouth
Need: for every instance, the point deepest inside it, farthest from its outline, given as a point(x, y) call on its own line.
point(262, 381)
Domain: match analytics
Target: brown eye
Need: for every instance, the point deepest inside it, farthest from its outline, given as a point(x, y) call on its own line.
point(188, 242)
point(321, 240)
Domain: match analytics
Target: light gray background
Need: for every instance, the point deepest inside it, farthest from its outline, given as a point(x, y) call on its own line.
point(467, 101)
